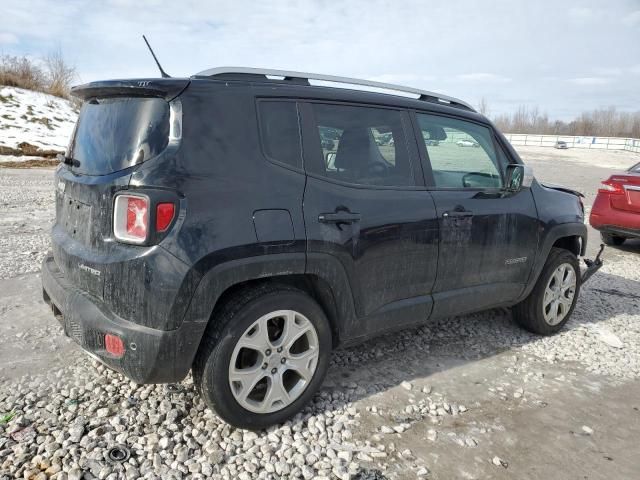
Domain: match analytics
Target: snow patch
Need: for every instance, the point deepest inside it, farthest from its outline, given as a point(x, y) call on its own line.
point(37, 118)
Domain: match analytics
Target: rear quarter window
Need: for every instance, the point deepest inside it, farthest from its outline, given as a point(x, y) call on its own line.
point(280, 132)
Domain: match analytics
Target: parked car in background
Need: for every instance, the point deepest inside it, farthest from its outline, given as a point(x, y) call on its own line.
point(238, 249)
point(562, 145)
point(467, 143)
point(616, 210)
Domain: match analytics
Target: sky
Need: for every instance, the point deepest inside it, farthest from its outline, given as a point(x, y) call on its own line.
point(562, 56)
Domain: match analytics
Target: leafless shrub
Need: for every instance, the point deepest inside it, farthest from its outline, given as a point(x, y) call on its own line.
point(21, 72)
point(55, 77)
point(60, 74)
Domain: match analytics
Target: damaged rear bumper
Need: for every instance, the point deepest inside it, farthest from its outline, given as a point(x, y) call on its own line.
point(592, 265)
point(151, 355)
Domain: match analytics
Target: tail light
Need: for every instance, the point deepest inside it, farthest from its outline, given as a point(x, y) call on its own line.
point(114, 345)
point(612, 187)
point(164, 215)
point(131, 218)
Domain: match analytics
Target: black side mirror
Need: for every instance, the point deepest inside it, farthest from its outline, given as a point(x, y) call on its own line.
point(517, 177)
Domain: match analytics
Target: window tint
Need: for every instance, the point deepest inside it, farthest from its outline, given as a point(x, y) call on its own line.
point(363, 145)
point(462, 154)
point(280, 133)
point(116, 133)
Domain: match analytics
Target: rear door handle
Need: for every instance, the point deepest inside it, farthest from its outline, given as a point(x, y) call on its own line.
point(339, 217)
point(457, 214)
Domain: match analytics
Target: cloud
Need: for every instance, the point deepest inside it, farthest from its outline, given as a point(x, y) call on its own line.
point(632, 19)
point(8, 38)
point(538, 52)
point(608, 71)
point(590, 81)
point(581, 13)
point(403, 78)
point(481, 77)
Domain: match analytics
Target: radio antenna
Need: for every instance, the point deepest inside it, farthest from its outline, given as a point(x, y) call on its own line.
point(162, 72)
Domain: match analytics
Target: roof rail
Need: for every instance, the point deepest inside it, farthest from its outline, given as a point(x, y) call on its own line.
point(289, 75)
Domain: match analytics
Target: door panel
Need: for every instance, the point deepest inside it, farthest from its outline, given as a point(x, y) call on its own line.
point(490, 251)
point(363, 207)
point(488, 238)
point(389, 254)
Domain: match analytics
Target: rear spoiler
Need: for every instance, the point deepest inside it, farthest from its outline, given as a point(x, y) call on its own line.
point(167, 88)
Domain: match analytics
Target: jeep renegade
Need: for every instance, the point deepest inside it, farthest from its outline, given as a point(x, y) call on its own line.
point(242, 223)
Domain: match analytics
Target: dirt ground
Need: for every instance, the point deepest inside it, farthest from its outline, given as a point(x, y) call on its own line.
point(472, 397)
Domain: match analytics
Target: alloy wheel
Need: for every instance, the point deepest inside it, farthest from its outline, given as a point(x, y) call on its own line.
point(273, 362)
point(559, 294)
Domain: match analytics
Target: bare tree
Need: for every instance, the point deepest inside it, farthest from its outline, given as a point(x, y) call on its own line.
point(483, 106)
point(606, 122)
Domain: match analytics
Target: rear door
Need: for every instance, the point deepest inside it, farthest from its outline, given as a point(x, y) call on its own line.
point(365, 205)
point(488, 239)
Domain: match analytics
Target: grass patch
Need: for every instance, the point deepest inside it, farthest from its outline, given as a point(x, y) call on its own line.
point(37, 163)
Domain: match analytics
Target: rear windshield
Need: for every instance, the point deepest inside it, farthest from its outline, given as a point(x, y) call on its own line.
point(116, 133)
point(635, 168)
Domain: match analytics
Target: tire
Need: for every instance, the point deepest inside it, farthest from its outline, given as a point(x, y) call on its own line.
point(612, 240)
point(230, 344)
point(532, 313)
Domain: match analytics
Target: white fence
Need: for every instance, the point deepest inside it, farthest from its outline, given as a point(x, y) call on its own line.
point(603, 143)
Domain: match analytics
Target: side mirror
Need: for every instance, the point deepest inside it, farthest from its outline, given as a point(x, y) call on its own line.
point(517, 177)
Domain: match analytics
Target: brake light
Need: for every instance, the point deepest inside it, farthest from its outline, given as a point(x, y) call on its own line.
point(131, 218)
point(114, 345)
point(164, 216)
point(612, 187)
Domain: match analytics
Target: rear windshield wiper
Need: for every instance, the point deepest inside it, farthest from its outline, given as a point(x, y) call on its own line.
point(68, 160)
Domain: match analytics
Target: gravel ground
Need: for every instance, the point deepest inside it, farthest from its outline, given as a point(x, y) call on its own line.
point(468, 397)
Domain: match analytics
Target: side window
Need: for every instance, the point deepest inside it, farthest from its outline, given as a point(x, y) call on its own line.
point(462, 154)
point(280, 132)
point(363, 145)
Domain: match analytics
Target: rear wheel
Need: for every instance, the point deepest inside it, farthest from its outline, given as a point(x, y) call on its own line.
point(612, 240)
point(264, 358)
point(552, 300)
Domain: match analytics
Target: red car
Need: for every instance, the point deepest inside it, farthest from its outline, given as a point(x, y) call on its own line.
point(616, 211)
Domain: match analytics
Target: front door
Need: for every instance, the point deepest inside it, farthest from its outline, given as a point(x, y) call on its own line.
point(366, 206)
point(488, 239)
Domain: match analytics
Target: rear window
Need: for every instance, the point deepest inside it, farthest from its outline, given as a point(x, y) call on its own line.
point(116, 133)
point(635, 168)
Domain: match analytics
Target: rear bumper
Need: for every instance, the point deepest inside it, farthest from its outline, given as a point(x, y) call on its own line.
point(612, 220)
point(619, 231)
point(151, 356)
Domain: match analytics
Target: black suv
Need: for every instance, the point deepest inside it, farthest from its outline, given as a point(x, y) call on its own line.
point(206, 224)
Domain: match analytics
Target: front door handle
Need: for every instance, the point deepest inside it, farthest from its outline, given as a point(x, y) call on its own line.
point(339, 217)
point(457, 214)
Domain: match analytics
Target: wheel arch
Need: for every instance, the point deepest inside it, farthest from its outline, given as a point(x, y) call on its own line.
point(328, 286)
point(568, 236)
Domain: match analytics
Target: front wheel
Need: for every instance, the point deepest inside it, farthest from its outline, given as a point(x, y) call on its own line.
point(552, 300)
point(264, 357)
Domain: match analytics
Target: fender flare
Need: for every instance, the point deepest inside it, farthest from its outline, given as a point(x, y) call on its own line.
point(333, 290)
point(550, 237)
